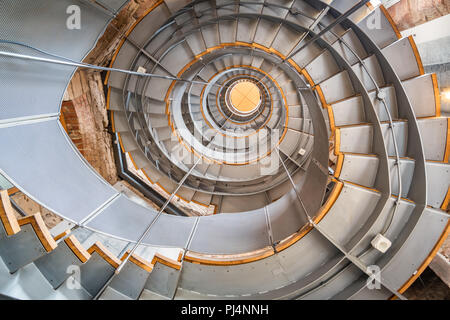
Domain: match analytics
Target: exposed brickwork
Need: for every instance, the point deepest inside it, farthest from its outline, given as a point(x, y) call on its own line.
point(107, 44)
point(410, 13)
point(86, 122)
point(70, 122)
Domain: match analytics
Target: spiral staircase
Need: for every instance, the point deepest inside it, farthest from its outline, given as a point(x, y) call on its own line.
point(310, 126)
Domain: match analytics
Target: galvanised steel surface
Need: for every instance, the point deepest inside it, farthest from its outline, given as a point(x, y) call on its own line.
point(314, 59)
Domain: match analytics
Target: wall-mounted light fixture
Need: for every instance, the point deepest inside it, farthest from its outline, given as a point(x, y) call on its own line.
point(445, 94)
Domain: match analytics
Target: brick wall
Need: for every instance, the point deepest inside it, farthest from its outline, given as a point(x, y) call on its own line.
point(83, 115)
point(410, 13)
point(69, 120)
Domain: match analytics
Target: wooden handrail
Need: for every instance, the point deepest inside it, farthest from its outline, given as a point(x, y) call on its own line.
point(76, 247)
point(36, 221)
point(139, 261)
point(101, 250)
point(7, 215)
point(166, 261)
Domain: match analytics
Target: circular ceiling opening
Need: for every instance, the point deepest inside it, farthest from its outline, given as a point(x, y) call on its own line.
point(245, 97)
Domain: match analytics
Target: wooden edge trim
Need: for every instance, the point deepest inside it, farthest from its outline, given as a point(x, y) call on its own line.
point(61, 235)
point(217, 99)
point(108, 98)
point(139, 261)
point(62, 119)
point(446, 201)
point(133, 162)
point(308, 77)
point(337, 141)
point(284, 244)
point(12, 190)
point(362, 187)
point(120, 142)
point(164, 189)
point(200, 204)
point(180, 256)
point(339, 164)
point(403, 199)
point(76, 247)
point(113, 59)
point(167, 100)
point(105, 254)
point(201, 104)
point(331, 119)
point(181, 198)
point(447, 146)
point(166, 261)
point(437, 95)
point(113, 122)
point(7, 216)
point(416, 55)
point(330, 201)
point(391, 21)
point(41, 230)
point(228, 260)
point(321, 96)
point(289, 241)
point(428, 260)
point(146, 175)
point(143, 16)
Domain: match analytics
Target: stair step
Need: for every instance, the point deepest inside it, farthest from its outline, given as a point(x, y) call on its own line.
point(404, 58)
point(423, 94)
point(350, 39)
point(337, 88)
point(378, 26)
point(374, 69)
point(360, 169)
point(433, 133)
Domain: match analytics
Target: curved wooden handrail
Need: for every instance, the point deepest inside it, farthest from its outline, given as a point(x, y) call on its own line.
point(105, 254)
point(286, 243)
point(41, 230)
point(166, 261)
point(416, 55)
point(426, 262)
point(7, 217)
point(447, 146)
point(227, 260)
point(61, 235)
point(446, 202)
point(220, 260)
point(391, 21)
point(76, 247)
point(139, 261)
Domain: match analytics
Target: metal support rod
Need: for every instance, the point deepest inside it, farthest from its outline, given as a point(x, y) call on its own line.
point(313, 25)
point(101, 7)
point(147, 230)
point(341, 18)
point(94, 67)
point(188, 245)
point(143, 51)
point(355, 260)
point(328, 28)
point(380, 96)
